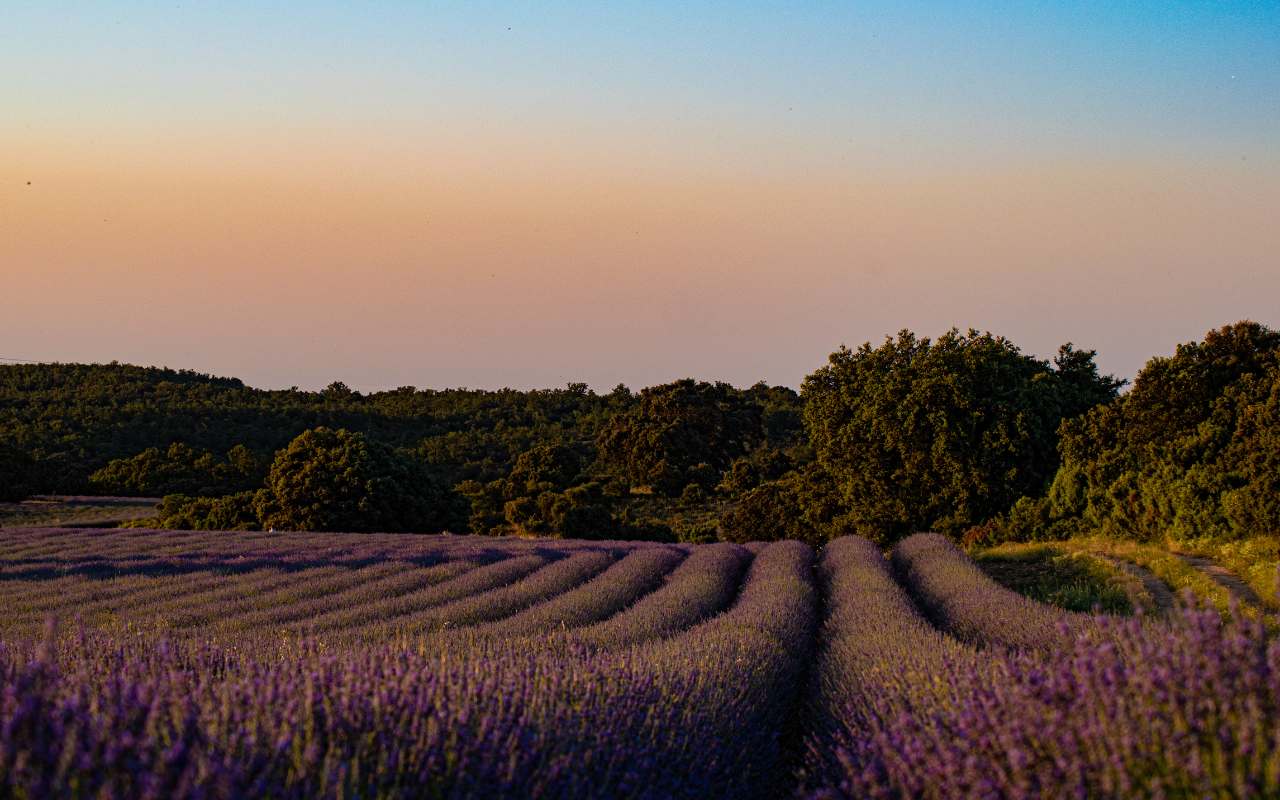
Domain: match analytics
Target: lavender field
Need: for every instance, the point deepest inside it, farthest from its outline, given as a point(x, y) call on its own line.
point(140, 663)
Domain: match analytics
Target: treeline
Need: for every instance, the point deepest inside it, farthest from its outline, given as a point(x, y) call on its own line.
point(963, 434)
point(1192, 451)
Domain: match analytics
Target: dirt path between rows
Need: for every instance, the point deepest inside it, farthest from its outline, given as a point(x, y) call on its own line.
point(1161, 595)
point(1225, 578)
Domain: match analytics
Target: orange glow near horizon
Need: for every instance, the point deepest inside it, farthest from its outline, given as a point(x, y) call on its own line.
point(196, 258)
point(446, 196)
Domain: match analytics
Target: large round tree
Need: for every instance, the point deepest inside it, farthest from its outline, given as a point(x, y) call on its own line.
point(942, 435)
point(680, 433)
point(337, 480)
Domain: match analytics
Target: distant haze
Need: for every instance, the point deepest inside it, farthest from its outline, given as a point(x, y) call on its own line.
point(529, 194)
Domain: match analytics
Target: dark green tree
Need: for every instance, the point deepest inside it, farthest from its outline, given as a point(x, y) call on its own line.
point(336, 480)
point(680, 433)
point(553, 467)
point(802, 505)
point(943, 435)
point(233, 512)
point(1192, 451)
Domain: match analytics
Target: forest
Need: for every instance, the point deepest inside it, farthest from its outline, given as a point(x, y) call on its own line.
point(962, 434)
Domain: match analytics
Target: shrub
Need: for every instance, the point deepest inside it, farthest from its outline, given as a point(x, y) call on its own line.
point(181, 469)
point(801, 506)
point(235, 512)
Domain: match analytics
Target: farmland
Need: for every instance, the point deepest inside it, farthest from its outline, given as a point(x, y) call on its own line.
point(197, 664)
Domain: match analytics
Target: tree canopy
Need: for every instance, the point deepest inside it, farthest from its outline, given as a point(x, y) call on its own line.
point(1192, 451)
point(942, 435)
point(337, 480)
point(680, 433)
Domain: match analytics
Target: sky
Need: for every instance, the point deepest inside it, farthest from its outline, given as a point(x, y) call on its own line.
point(526, 194)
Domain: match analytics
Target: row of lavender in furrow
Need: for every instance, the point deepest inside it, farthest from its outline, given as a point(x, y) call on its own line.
point(959, 597)
point(208, 590)
point(127, 553)
point(551, 580)
point(303, 586)
point(880, 661)
point(1191, 709)
point(744, 670)
point(698, 714)
point(173, 596)
point(231, 594)
point(703, 585)
point(85, 597)
point(400, 579)
point(633, 576)
point(70, 547)
point(375, 618)
point(693, 716)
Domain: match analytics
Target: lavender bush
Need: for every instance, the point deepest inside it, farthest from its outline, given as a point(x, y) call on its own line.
point(1186, 710)
point(319, 665)
point(958, 596)
point(632, 577)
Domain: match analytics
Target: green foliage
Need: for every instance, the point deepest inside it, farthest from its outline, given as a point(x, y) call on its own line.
point(576, 513)
point(943, 435)
point(543, 495)
point(156, 432)
point(800, 506)
point(181, 469)
point(74, 419)
point(753, 469)
point(337, 480)
point(693, 496)
point(1193, 451)
point(680, 433)
point(234, 512)
point(551, 467)
point(15, 474)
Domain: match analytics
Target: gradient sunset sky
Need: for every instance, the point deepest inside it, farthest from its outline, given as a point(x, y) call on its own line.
point(445, 194)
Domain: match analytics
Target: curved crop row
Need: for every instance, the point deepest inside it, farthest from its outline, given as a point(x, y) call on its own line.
point(233, 592)
point(240, 596)
point(632, 577)
point(386, 612)
point(74, 596)
point(880, 661)
point(701, 586)
point(743, 671)
point(694, 716)
point(957, 595)
point(1187, 710)
point(549, 581)
point(298, 616)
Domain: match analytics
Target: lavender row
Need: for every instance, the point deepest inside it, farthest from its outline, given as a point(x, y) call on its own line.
point(380, 616)
point(632, 577)
point(957, 595)
point(549, 581)
point(693, 716)
point(1191, 709)
point(880, 662)
point(705, 584)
